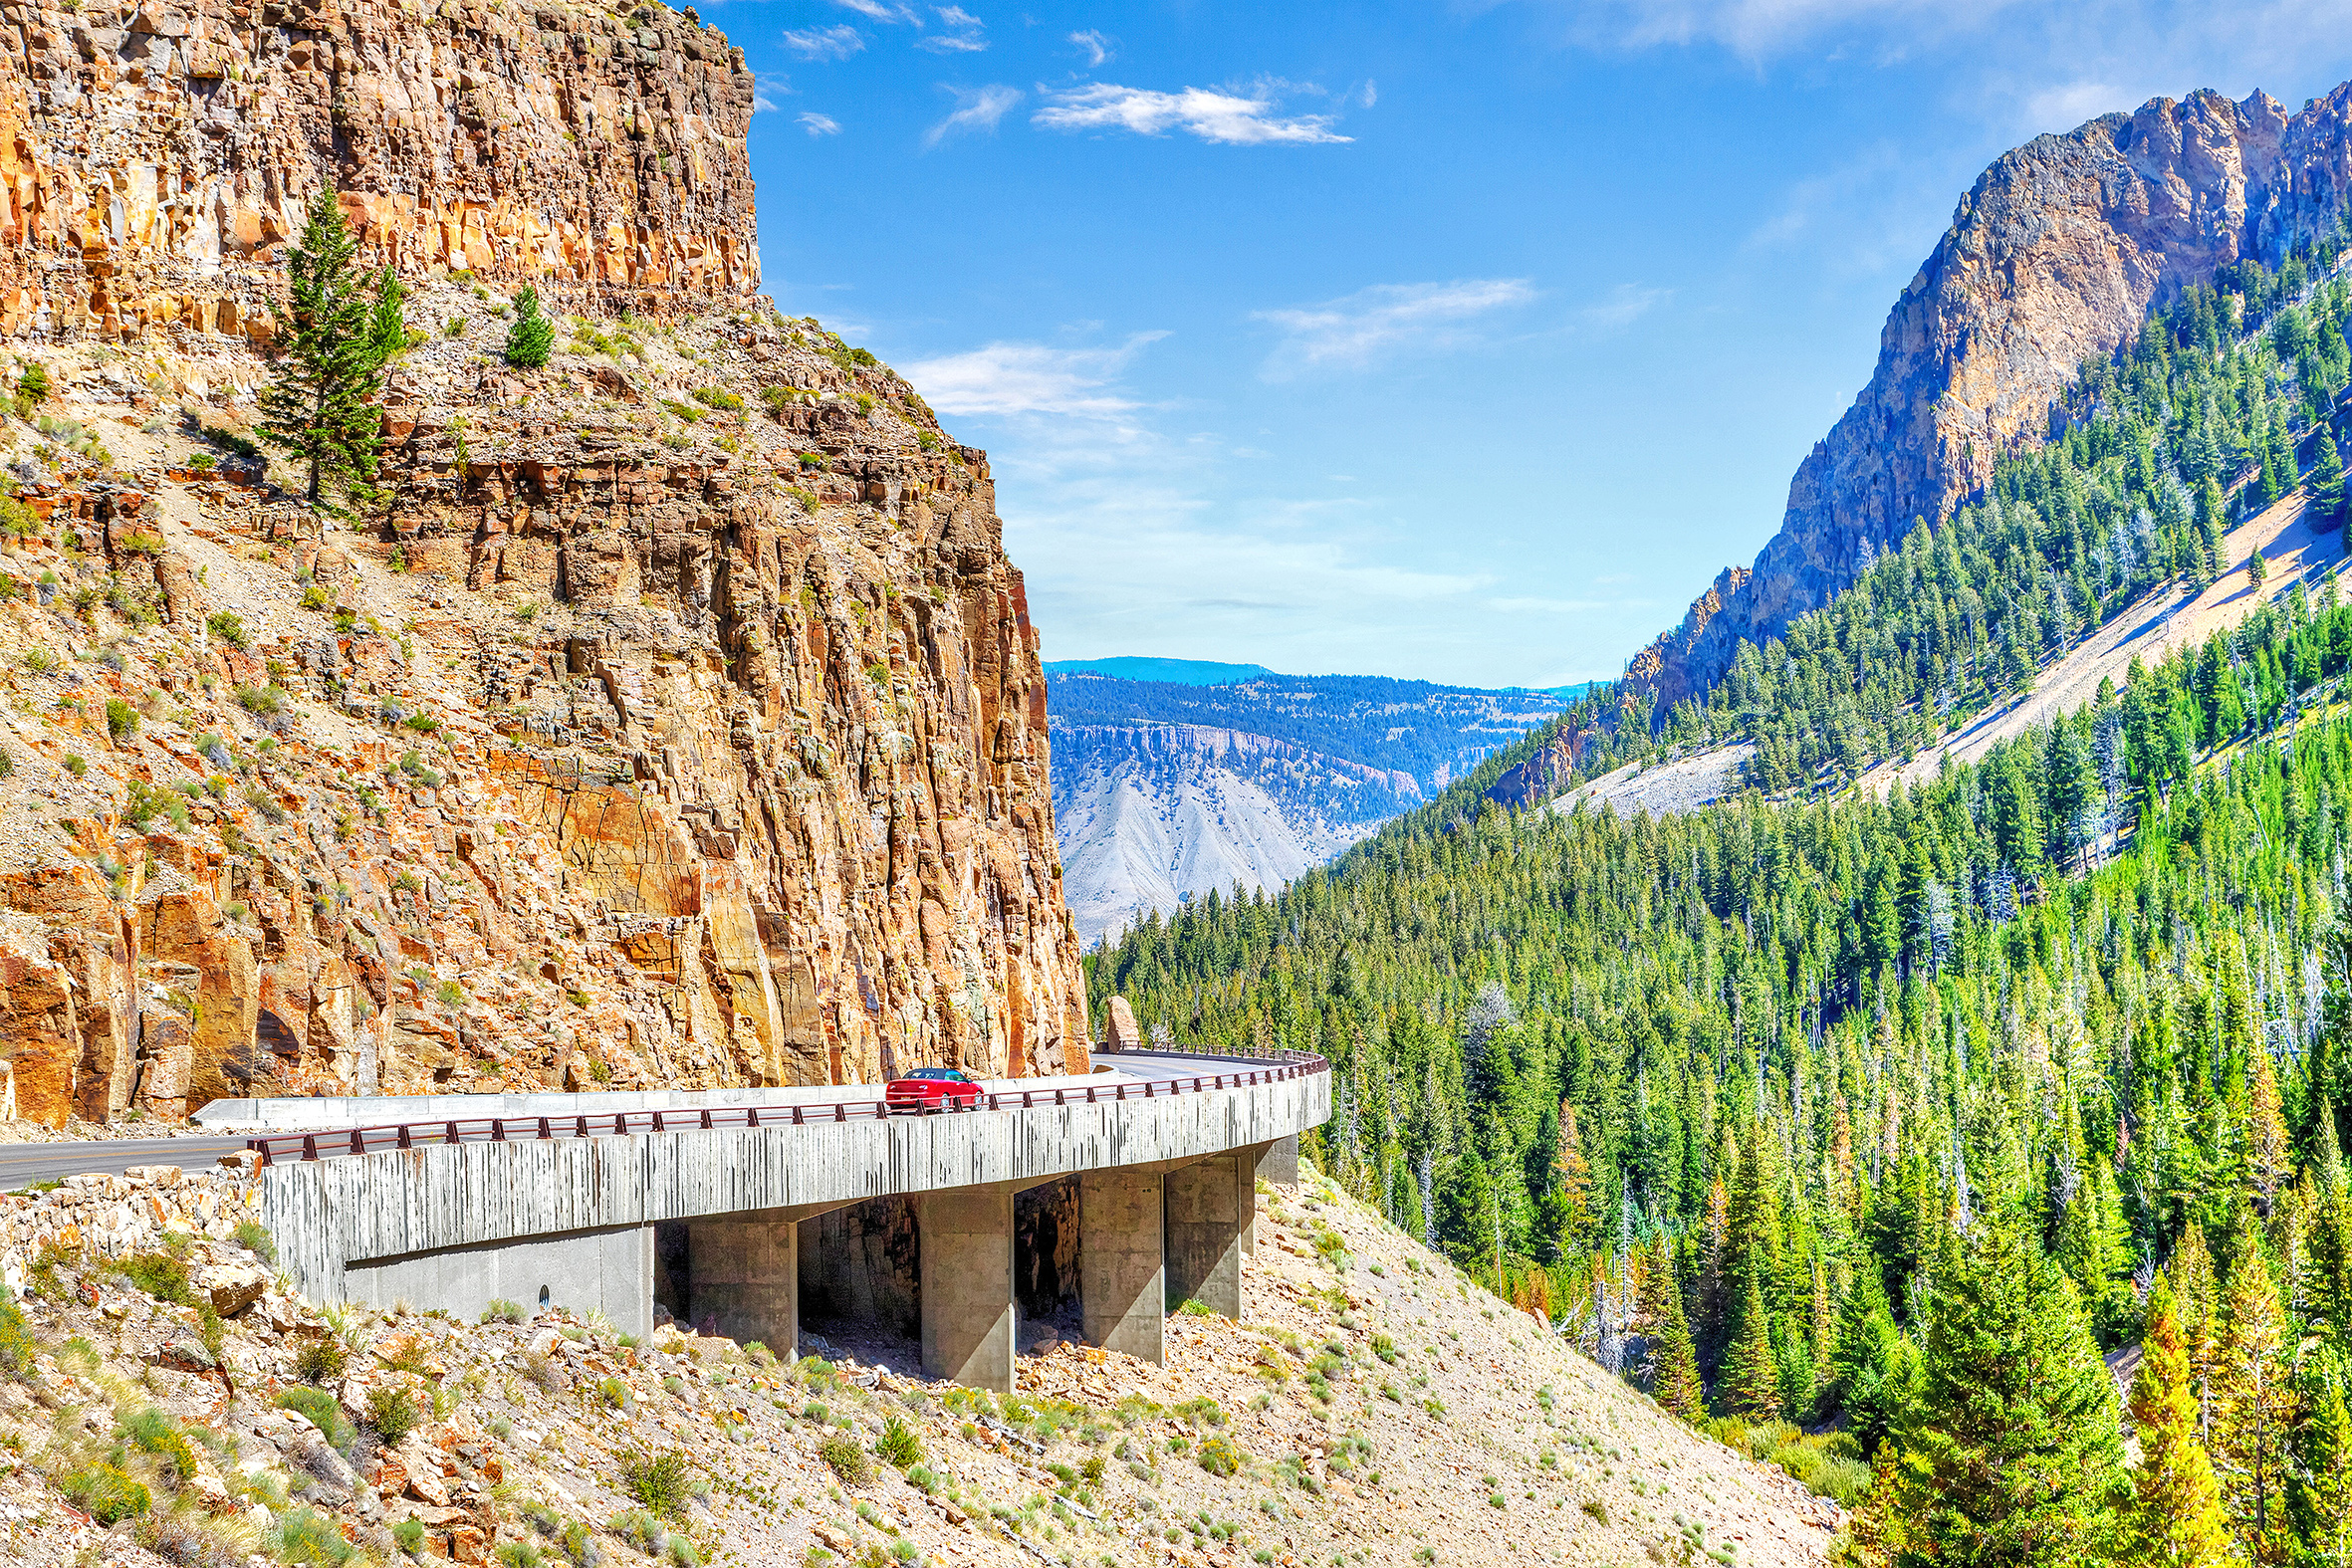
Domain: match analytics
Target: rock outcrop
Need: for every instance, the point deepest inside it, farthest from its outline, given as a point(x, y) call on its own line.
point(677, 721)
point(2055, 256)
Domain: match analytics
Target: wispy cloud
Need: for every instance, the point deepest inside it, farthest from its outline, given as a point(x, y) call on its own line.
point(837, 42)
point(875, 10)
point(1365, 325)
point(1239, 116)
point(766, 90)
point(1624, 305)
point(1758, 29)
point(1030, 379)
point(965, 35)
point(977, 109)
point(1097, 47)
point(820, 125)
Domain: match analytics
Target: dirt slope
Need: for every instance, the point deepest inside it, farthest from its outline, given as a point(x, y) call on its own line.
point(1375, 1407)
point(2160, 621)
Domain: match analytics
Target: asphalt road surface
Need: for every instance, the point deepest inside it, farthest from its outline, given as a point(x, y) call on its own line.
point(22, 1163)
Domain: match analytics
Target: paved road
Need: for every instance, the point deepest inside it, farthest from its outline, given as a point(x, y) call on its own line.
point(22, 1163)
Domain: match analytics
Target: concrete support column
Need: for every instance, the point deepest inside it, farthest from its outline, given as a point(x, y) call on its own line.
point(1280, 1163)
point(969, 1316)
point(1246, 1162)
point(744, 1270)
point(1123, 1287)
point(1207, 1219)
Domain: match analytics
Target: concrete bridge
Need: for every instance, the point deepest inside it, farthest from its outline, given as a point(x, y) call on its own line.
point(548, 1203)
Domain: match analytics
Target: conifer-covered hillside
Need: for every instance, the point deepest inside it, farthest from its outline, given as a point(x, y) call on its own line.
point(1865, 1071)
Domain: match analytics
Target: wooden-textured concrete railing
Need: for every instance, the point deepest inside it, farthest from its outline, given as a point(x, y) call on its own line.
point(274, 1148)
point(455, 1214)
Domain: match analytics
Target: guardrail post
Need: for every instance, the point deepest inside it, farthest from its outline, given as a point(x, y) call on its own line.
point(706, 1118)
point(449, 1134)
point(404, 1142)
point(840, 1110)
point(498, 1129)
point(310, 1146)
point(359, 1141)
point(751, 1116)
point(660, 1123)
point(798, 1119)
point(545, 1131)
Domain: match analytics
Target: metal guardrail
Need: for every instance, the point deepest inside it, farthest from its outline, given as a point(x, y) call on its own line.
point(526, 1129)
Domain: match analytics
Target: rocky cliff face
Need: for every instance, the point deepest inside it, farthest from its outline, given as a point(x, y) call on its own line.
point(679, 722)
point(2055, 255)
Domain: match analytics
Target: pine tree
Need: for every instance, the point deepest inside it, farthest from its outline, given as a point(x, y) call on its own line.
point(2253, 1403)
point(2009, 1453)
point(2319, 1482)
point(2173, 1519)
point(2327, 483)
point(320, 403)
point(1751, 1373)
point(1576, 1178)
point(1674, 1380)
point(2269, 1159)
point(388, 325)
point(531, 338)
point(2198, 1298)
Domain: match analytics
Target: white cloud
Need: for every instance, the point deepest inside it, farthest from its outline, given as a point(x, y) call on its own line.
point(766, 90)
point(1757, 29)
point(1355, 330)
point(1242, 116)
point(977, 109)
point(877, 10)
point(1625, 303)
point(837, 42)
point(1030, 379)
point(820, 125)
point(963, 35)
point(1097, 46)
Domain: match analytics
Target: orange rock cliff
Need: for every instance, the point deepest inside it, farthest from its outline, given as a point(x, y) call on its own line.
point(678, 720)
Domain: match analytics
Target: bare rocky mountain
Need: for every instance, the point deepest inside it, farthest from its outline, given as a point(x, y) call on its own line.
point(2054, 256)
point(1164, 789)
point(678, 721)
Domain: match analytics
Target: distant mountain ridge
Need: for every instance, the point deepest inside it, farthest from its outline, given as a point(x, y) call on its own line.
point(1166, 788)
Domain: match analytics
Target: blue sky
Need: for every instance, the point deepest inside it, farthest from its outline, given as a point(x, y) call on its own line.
point(1463, 343)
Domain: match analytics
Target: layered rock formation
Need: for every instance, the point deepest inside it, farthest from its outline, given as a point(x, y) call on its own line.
point(2055, 256)
point(679, 720)
point(158, 157)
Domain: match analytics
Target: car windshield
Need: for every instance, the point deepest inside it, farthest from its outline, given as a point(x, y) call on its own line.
point(948, 1074)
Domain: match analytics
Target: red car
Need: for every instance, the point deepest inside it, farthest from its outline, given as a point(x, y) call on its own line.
point(928, 1089)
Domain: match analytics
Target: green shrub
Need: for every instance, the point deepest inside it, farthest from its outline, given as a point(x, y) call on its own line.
point(323, 1360)
point(229, 627)
point(391, 1413)
point(106, 1493)
point(408, 1535)
point(255, 1237)
point(641, 1529)
point(32, 383)
point(898, 1443)
point(152, 1432)
point(77, 765)
point(518, 1554)
point(718, 397)
point(614, 1391)
point(121, 719)
point(309, 1538)
point(660, 1483)
point(847, 1460)
point(320, 1409)
point(266, 701)
point(160, 1274)
point(1219, 1457)
point(500, 1310)
point(531, 336)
